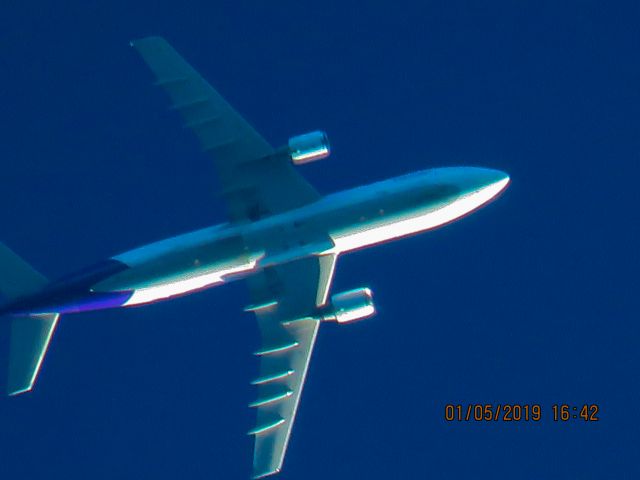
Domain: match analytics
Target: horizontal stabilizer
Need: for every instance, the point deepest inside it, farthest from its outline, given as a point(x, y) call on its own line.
point(30, 334)
point(30, 338)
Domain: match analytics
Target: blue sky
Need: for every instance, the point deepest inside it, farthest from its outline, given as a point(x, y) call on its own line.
point(531, 300)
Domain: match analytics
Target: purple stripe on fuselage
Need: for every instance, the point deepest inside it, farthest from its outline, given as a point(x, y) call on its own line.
point(73, 293)
point(94, 301)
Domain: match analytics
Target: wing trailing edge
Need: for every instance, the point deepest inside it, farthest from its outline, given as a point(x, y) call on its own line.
point(292, 292)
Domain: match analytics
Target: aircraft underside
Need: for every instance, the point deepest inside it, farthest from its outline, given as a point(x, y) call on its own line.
point(282, 238)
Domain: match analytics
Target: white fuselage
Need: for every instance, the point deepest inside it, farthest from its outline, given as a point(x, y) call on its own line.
point(335, 224)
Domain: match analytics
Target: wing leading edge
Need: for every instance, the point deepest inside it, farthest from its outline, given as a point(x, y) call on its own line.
point(285, 297)
point(256, 180)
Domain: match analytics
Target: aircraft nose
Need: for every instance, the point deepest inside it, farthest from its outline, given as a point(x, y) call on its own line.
point(477, 186)
point(477, 179)
point(472, 179)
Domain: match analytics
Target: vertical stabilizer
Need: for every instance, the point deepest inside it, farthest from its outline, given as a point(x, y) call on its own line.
point(17, 277)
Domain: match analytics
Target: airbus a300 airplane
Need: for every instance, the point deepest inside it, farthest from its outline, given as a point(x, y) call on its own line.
point(282, 238)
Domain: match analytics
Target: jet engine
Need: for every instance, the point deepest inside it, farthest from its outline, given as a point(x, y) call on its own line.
point(309, 147)
point(350, 306)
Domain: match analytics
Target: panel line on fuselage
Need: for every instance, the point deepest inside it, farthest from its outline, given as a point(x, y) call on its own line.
point(347, 220)
point(376, 232)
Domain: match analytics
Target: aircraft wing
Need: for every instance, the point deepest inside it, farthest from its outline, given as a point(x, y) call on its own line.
point(256, 181)
point(284, 297)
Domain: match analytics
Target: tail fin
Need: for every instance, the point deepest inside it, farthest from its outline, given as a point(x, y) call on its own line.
point(30, 335)
point(17, 277)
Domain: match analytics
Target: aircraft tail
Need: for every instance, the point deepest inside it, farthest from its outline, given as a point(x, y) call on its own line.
point(30, 334)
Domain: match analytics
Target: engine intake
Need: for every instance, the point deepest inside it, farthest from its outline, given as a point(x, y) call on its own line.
point(309, 147)
point(351, 306)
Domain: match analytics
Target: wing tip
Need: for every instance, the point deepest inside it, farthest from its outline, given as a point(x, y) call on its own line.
point(151, 38)
point(15, 392)
point(256, 476)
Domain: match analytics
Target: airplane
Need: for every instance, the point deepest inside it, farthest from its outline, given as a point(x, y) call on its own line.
point(282, 238)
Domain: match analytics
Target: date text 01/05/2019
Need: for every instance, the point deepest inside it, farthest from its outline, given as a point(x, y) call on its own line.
point(512, 412)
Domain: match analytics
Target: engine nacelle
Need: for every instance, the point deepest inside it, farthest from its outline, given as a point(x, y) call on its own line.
point(351, 306)
point(309, 147)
